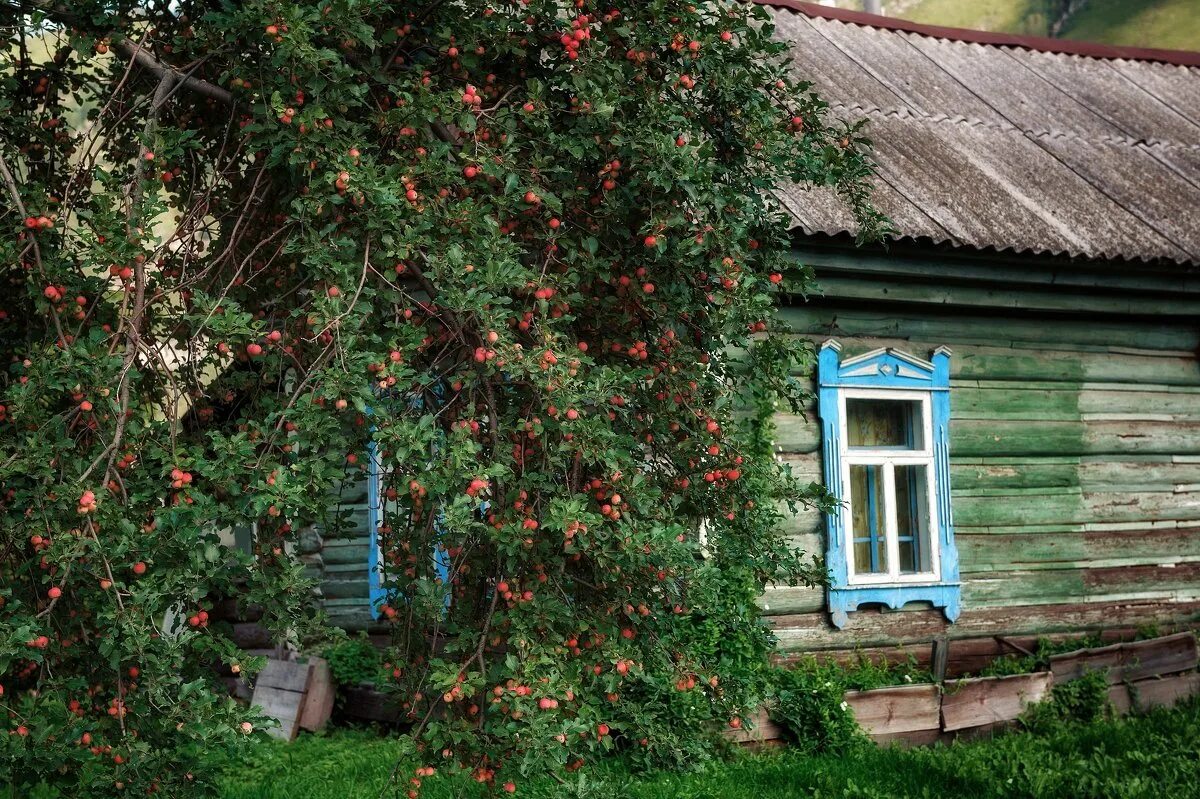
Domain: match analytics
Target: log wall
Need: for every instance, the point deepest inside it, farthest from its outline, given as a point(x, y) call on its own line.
point(1075, 438)
point(1075, 447)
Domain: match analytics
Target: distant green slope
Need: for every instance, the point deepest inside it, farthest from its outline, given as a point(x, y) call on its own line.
point(1171, 24)
point(1006, 16)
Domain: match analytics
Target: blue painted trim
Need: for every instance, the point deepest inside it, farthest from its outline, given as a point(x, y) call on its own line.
point(887, 369)
point(376, 590)
point(829, 409)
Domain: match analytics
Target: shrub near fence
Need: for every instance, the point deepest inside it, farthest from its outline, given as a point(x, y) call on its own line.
point(1141, 675)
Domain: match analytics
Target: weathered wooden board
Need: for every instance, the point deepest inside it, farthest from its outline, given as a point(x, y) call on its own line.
point(1130, 662)
point(905, 708)
point(828, 317)
point(1071, 506)
point(992, 438)
point(286, 675)
point(983, 701)
point(997, 588)
point(974, 362)
point(1072, 402)
point(969, 656)
point(1092, 474)
point(318, 700)
point(796, 434)
point(1145, 695)
point(788, 599)
point(283, 706)
point(919, 654)
point(757, 728)
point(873, 288)
point(280, 690)
point(1030, 404)
point(1100, 584)
point(811, 631)
point(1138, 473)
point(1015, 275)
point(995, 550)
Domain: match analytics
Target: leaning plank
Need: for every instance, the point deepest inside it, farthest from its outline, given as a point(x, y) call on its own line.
point(287, 675)
point(983, 701)
point(318, 701)
point(280, 691)
point(1130, 662)
point(906, 708)
point(1164, 691)
point(757, 728)
point(284, 706)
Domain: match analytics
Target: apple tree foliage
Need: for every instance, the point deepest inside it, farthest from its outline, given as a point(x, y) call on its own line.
point(521, 255)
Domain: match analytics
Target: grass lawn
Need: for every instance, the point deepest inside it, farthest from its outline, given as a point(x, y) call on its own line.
point(1005, 16)
point(1173, 24)
point(1155, 757)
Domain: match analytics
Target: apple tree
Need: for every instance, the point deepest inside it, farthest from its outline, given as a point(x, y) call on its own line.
point(518, 258)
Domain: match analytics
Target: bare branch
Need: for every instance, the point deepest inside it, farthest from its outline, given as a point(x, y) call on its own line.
point(147, 61)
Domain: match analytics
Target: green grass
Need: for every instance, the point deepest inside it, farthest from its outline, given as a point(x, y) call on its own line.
point(1006, 16)
point(1150, 757)
point(1172, 24)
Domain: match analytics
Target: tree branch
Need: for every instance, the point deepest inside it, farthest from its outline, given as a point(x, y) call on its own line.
point(143, 58)
point(147, 61)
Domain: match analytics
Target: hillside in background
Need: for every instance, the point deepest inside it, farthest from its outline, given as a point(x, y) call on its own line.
point(1171, 24)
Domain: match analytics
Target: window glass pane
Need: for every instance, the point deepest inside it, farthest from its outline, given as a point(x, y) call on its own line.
point(867, 519)
point(912, 518)
point(884, 423)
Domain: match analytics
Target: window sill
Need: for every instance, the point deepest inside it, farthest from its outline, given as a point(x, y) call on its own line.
point(845, 599)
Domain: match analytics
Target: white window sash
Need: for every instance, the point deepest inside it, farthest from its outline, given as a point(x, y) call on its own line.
point(888, 459)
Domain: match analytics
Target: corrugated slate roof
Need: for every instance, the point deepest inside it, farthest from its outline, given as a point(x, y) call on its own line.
point(1002, 146)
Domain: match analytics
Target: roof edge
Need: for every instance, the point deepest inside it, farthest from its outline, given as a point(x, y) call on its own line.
point(1185, 58)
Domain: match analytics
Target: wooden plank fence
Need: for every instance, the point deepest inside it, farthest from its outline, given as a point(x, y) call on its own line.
point(990, 701)
point(1158, 672)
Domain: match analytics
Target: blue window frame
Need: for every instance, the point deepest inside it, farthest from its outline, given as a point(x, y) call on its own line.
point(377, 578)
point(376, 509)
point(885, 421)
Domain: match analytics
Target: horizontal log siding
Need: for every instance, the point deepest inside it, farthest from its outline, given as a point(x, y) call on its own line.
point(1075, 445)
point(344, 580)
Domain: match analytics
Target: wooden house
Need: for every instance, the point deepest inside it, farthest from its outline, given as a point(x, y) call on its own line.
point(1009, 387)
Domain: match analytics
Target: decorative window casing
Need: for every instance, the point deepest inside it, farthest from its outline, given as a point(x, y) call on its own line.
point(885, 443)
